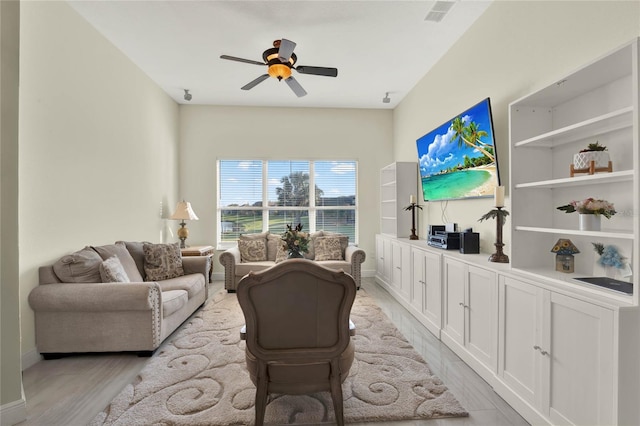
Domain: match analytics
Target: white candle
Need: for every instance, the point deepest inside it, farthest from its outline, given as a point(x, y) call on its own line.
point(499, 196)
point(412, 199)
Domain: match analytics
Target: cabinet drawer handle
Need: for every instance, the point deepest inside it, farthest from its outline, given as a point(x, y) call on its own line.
point(463, 305)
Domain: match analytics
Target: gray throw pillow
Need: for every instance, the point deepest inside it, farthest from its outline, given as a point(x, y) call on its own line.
point(119, 250)
point(328, 248)
point(273, 243)
point(111, 271)
point(162, 261)
point(82, 266)
point(311, 254)
point(252, 250)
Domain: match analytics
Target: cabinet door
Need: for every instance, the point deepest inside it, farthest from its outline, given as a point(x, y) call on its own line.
point(481, 308)
point(386, 260)
point(418, 283)
point(380, 257)
point(426, 287)
point(519, 326)
point(433, 289)
point(579, 364)
point(401, 268)
point(454, 304)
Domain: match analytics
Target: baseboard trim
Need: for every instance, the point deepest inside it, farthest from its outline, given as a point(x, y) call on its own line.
point(30, 358)
point(14, 412)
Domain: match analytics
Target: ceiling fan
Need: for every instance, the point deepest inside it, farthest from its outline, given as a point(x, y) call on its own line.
point(280, 60)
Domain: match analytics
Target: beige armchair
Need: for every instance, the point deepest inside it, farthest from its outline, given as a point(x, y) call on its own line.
point(297, 331)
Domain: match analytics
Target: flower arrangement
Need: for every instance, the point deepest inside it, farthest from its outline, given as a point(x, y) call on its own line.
point(590, 206)
point(295, 240)
point(609, 256)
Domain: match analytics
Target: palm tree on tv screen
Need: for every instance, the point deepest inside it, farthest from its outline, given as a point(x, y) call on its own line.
point(471, 136)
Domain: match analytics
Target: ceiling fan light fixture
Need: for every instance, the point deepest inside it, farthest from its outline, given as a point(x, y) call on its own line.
point(279, 71)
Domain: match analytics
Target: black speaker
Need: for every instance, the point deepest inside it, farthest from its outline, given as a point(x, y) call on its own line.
point(469, 242)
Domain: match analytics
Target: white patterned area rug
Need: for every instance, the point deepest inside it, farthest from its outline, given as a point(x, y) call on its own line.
point(199, 378)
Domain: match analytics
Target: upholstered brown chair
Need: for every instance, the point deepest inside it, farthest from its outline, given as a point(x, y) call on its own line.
point(297, 331)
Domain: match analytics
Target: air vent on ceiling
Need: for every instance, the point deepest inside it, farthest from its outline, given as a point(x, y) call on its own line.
point(439, 10)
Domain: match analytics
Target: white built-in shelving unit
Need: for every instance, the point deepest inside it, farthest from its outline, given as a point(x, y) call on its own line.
point(596, 103)
point(398, 181)
point(558, 350)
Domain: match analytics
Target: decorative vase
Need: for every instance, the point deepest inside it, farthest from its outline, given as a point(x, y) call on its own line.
point(295, 254)
point(582, 160)
point(589, 222)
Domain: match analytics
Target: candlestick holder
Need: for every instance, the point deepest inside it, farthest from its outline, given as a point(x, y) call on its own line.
point(499, 214)
point(413, 207)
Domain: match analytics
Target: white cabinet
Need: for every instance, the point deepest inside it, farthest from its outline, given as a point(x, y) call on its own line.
point(401, 268)
point(557, 353)
point(470, 319)
point(383, 259)
point(426, 284)
point(398, 182)
point(596, 103)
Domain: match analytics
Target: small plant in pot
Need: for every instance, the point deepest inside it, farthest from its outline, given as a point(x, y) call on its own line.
point(593, 158)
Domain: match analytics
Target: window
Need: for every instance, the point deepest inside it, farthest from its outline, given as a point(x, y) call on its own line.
point(256, 196)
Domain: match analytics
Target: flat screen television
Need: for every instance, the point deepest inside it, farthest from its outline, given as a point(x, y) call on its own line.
point(458, 160)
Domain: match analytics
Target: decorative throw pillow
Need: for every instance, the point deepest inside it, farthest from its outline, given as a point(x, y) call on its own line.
point(82, 266)
point(281, 254)
point(328, 248)
point(119, 250)
point(252, 250)
point(162, 261)
point(111, 271)
point(273, 243)
point(344, 239)
point(311, 254)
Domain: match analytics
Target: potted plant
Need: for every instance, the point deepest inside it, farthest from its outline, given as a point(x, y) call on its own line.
point(295, 241)
point(594, 158)
point(590, 211)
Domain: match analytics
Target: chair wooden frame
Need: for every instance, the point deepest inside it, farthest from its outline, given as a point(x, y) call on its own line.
point(297, 331)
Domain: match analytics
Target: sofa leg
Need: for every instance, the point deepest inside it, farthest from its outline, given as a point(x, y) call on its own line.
point(230, 291)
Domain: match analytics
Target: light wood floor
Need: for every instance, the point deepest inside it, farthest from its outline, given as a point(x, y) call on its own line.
point(72, 391)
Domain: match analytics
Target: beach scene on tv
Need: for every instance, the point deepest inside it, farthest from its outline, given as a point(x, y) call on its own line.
point(457, 160)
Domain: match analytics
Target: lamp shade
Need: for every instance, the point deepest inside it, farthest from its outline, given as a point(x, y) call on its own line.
point(184, 212)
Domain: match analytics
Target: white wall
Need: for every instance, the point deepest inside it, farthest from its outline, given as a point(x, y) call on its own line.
point(514, 48)
point(209, 133)
point(98, 145)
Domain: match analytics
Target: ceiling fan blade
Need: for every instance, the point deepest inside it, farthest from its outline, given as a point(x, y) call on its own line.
point(286, 49)
point(255, 82)
point(246, 61)
point(328, 72)
point(295, 86)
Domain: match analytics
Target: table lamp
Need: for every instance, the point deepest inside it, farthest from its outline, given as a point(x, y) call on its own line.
point(183, 212)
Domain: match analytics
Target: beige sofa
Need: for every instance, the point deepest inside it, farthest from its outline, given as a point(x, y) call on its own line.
point(235, 267)
point(86, 315)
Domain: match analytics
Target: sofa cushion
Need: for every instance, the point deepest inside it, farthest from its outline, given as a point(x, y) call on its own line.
point(274, 242)
point(192, 284)
point(111, 271)
point(162, 261)
point(173, 301)
point(311, 254)
point(257, 236)
point(119, 250)
point(243, 269)
point(82, 266)
point(344, 239)
point(327, 248)
point(252, 250)
point(136, 250)
point(281, 253)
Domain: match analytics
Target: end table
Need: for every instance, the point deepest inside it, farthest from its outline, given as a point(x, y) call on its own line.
point(207, 251)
